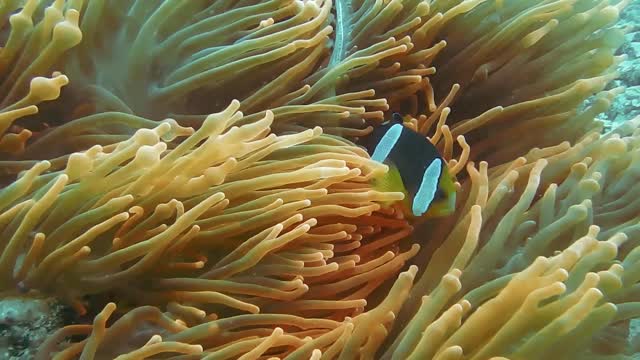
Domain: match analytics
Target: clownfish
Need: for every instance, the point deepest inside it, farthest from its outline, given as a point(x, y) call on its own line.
point(416, 169)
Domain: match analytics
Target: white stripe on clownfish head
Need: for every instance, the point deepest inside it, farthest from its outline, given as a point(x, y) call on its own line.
point(428, 187)
point(387, 143)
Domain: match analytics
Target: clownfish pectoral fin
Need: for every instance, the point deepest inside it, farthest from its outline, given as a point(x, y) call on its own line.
point(391, 181)
point(451, 204)
point(447, 186)
point(441, 208)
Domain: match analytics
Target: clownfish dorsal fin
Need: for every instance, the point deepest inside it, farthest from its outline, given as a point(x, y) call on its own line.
point(396, 118)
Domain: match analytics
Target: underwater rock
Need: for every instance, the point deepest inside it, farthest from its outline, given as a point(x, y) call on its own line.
point(25, 323)
point(627, 105)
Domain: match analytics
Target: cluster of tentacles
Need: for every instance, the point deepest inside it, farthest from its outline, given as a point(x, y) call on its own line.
point(188, 172)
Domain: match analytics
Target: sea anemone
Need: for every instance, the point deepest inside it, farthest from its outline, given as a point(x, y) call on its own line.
point(188, 172)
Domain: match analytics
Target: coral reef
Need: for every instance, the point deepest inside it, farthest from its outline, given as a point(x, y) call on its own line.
point(627, 104)
point(25, 323)
point(187, 176)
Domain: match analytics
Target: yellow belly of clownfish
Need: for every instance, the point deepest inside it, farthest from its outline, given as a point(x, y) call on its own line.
point(416, 169)
point(438, 206)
